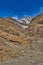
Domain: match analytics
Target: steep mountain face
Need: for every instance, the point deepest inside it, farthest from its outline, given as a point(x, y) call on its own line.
point(34, 33)
point(36, 26)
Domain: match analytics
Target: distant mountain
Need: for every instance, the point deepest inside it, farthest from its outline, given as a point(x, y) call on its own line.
point(23, 22)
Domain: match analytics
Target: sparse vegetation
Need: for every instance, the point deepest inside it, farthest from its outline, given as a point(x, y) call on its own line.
point(19, 44)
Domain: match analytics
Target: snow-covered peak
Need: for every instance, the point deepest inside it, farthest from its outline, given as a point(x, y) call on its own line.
point(25, 20)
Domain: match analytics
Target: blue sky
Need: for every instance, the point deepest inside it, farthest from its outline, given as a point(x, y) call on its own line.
point(20, 8)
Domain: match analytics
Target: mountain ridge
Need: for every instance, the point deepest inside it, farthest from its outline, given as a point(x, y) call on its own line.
point(17, 42)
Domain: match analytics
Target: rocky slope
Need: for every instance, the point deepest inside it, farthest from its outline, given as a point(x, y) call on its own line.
point(35, 25)
point(11, 38)
point(19, 46)
point(34, 32)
